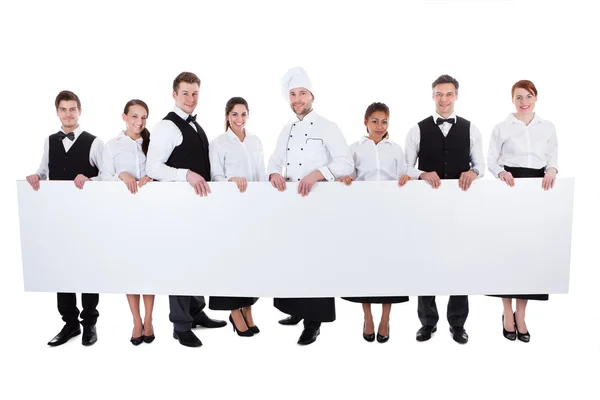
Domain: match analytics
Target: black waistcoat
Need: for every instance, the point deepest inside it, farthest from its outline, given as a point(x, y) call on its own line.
point(448, 155)
point(192, 153)
point(65, 166)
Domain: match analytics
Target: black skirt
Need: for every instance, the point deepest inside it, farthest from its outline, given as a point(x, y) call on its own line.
point(518, 172)
point(230, 303)
point(319, 309)
point(378, 300)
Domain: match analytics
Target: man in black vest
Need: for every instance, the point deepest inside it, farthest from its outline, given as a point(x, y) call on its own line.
point(179, 152)
point(71, 154)
point(447, 147)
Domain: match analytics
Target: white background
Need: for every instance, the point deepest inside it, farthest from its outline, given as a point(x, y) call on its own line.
point(355, 53)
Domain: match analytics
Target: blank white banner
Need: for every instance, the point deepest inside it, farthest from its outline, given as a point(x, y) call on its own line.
point(371, 238)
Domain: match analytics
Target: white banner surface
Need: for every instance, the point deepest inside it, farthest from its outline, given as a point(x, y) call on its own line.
point(371, 238)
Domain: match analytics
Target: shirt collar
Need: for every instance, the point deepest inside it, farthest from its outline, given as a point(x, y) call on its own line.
point(367, 139)
point(512, 119)
point(231, 134)
point(182, 114)
point(122, 136)
point(76, 132)
point(435, 116)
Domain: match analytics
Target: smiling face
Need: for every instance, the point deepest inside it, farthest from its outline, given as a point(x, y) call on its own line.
point(237, 117)
point(301, 100)
point(524, 101)
point(135, 120)
point(444, 96)
point(377, 125)
point(69, 113)
point(186, 96)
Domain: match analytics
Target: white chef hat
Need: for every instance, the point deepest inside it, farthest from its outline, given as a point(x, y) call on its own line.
point(295, 78)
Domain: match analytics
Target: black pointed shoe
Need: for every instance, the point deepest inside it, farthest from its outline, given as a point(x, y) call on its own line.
point(291, 320)
point(425, 332)
point(89, 336)
point(369, 337)
point(187, 338)
point(205, 321)
point(510, 335)
point(64, 335)
point(308, 336)
point(459, 334)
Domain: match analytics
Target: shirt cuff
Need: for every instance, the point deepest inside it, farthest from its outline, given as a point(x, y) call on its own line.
point(181, 175)
point(327, 174)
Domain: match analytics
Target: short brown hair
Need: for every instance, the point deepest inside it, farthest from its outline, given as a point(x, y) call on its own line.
point(524, 84)
point(445, 79)
point(67, 95)
point(188, 77)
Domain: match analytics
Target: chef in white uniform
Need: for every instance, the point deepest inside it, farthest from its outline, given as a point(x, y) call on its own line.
point(310, 148)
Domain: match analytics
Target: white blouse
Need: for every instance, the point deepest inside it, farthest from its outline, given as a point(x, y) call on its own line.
point(231, 158)
point(377, 162)
point(515, 144)
point(123, 154)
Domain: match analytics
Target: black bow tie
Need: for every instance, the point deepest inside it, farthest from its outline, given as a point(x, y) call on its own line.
point(440, 121)
point(191, 118)
point(70, 135)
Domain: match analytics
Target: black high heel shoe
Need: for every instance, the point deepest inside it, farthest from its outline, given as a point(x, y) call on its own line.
point(510, 335)
point(149, 339)
point(136, 341)
point(368, 337)
point(254, 329)
point(246, 333)
point(383, 339)
point(523, 337)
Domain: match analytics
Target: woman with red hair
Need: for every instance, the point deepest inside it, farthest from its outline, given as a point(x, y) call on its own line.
point(522, 146)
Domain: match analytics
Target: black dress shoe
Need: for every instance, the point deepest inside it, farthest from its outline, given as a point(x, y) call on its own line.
point(64, 335)
point(510, 335)
point(291, 320)
point(308, 336)
point(523, 337)
point(206, 322)
point(369, 337)
point(383, 339)
point(425, 332)
point(89, 335)
point(187, 338)
point(459, 334)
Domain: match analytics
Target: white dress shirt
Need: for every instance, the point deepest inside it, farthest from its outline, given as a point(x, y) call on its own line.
point(383, 161)
point(123, 154)
point(413, 140)
point(515, 144)
point(95, 155)
point(313, 143)
point(230, 158)
point(165, 137)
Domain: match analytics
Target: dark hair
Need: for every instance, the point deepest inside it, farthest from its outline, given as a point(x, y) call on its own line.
point(373, 108)
point(187, 77)
point(232, 102)
point(145, 133)
point(445, 79)
point(524, 84)
point(67, 95)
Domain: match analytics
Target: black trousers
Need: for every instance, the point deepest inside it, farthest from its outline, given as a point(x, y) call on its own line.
point(183, 311)
point(458, 310)
point(311, 324)
point(67, 307)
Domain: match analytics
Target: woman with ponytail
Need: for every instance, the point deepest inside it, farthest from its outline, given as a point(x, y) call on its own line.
point(237, 156)
point(377, 158)
point(124, 159)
